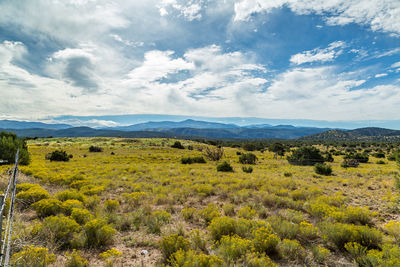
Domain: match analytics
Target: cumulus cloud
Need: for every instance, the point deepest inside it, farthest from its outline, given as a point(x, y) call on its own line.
point(69, 21)
point(379, 15)
point(190, 10)
point(322, 93)
point(125, 57)
point(318, 54)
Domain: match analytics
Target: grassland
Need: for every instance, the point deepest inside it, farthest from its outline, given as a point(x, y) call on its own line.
point(106, 207)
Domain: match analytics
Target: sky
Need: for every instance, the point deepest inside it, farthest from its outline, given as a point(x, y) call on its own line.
point(331, 60)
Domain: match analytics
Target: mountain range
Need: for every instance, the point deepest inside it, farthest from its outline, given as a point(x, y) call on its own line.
point(361, 134)
point(191, 129)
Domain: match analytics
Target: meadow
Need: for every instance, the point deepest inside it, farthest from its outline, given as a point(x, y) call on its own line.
point(135, 203)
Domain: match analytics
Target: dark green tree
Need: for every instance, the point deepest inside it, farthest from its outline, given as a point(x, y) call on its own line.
point(306, 155)
point(9, 144)
point(278, 149)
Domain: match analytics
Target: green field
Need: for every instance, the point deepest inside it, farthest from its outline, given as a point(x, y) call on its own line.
point(106, 207)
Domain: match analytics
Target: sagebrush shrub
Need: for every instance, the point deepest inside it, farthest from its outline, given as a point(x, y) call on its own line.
point(32, 256)
point(98, 233)
point(291, 250)
point(70, 204)
point(264, 240)
point(156, 220)
point(340, 234)
point(111, 205)
point(171, 244)
point(75, 259)
point(70, 194)
point(47, 207)
point(57, 229)
point(258, 260)
point(210, 212)
point(81, 216)
point(193, 259)
point(33, 194)
point(110, 256)
point(232, 248)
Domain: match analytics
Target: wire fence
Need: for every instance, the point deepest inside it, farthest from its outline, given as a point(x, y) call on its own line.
point(8, 197)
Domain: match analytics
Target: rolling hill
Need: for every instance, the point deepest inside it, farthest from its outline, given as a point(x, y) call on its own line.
point(361, 134)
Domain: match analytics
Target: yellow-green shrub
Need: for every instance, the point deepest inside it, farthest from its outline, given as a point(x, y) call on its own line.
point(393, 229)
point(111, 205)
point(110, 256)
point(171, 244)
point(47, 207)
point(25, 186)
point(69, 204)
point(247, 213)
point(232, 248)
point(134, 199)
point(98, 233)
point(229, 209)
point(57, 229)
point(156, 220)
point(33, 257)
point(91, 190)
point(340, 234)
point(210, 212)
point(81, 216)
point(258, 260)
point(264, 240)
point(189, 213)
point(307, 231)
point(221, 226)
point(283, 228)
point(70, 194)
point(33, 194)
point(75, 259)
point(291, 250)
point(190, 258)
point(320, 254)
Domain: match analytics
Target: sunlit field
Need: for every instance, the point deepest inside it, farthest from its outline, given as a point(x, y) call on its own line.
point(136, 204)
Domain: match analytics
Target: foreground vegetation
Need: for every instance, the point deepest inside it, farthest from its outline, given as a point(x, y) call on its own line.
point(144, 202)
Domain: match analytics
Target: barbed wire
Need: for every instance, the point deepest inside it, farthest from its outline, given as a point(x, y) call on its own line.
point(6, 241)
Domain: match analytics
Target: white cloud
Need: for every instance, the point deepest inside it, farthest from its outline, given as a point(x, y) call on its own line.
point(190, 10)
point(396, 65)
point(380, 75)
point(380, 15)
point(318, 54)
point(316, 93)
point(70, 21)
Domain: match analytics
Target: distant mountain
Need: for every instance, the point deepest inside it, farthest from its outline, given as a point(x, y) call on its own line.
point(245, 133)
point(9, 124)
point(131, 119)
point(173, 124)
point(361, 134)
point(189, 133)
point(87, 132)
